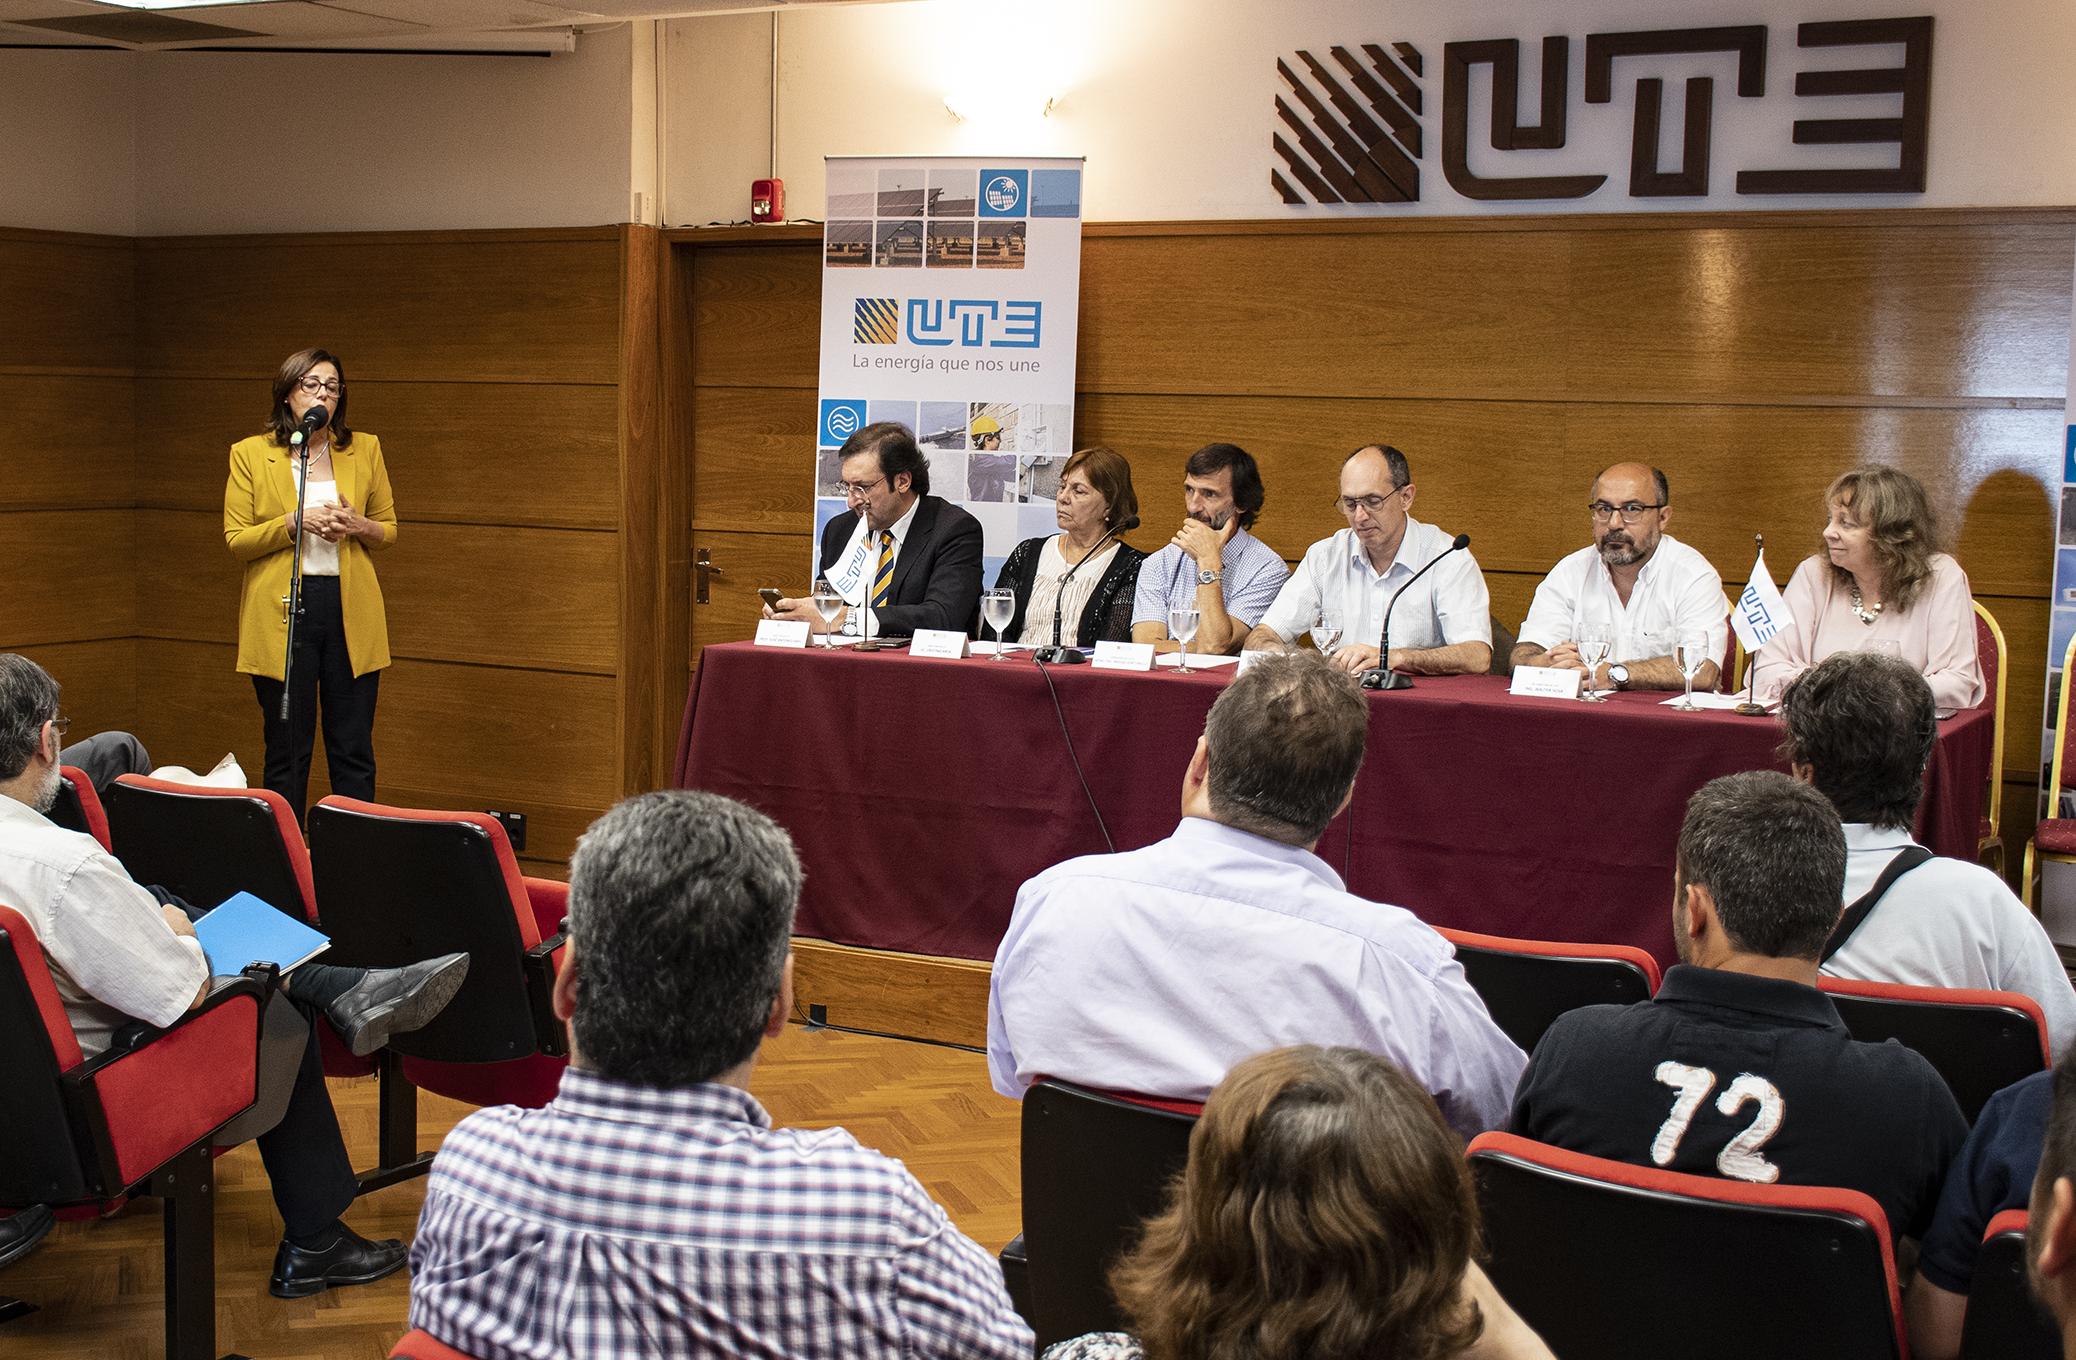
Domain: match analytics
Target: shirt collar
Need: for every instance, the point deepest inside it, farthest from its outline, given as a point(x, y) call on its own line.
point(1204, 830)
point(1406, 547)
point(591, 1095)
point(1649, 570)
point(1773, 998)
point(901, 525)
point(1867, 836)
point(13, 809)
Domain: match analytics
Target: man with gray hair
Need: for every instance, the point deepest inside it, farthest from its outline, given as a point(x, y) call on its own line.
point(1739, 1067)
point(651, 1209)
point(1157, 969)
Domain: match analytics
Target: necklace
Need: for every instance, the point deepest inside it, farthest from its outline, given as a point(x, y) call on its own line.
point(1860, 609)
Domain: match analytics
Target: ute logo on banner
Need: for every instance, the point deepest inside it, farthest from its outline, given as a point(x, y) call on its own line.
point(950, 304)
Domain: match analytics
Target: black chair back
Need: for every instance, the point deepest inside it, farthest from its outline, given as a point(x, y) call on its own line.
point(1621, 1271)
point(39, 1163)
point(70, 809)
point(1981, 1042)
point(2005, 1321)
point(394, 887)
point(203, 846)
point(1526, 992)
point(1095, 1167)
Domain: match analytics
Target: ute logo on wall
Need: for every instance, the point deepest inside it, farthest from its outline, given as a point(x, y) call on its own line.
point(1350, 128)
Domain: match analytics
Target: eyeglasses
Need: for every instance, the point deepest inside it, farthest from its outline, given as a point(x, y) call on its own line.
point(314, 386)
point(1350, 504)
point(850, 489)
point(1630, 511)
point(61, 726)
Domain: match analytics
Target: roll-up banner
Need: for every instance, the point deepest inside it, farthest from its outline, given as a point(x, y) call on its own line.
point(950, 299)
point(2058, 884)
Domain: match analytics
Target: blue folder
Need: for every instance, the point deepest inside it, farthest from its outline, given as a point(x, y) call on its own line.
point(246, 929)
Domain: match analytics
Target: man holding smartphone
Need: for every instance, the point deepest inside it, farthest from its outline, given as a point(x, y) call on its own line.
point(1213, 563)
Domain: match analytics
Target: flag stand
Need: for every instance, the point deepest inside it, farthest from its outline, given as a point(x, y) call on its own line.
point(1748, 708)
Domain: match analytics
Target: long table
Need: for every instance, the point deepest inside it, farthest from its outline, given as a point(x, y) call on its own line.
point(922, 792)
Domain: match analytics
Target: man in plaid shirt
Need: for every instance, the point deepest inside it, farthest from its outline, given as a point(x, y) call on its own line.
point(651, 1209)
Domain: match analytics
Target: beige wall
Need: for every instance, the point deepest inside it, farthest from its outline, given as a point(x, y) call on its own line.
point(67, 125)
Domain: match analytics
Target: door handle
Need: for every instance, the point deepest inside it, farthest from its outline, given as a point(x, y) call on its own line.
point(703, 572)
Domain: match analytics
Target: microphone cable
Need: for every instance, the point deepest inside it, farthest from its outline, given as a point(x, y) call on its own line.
point(1068, 738)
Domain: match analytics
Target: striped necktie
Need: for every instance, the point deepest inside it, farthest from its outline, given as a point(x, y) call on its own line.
point(883, 577)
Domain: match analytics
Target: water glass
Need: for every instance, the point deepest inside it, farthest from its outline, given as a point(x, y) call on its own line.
point(1182, 626)
point(1692, 656)
point(1596, 640)
point(828, 603)
point(997, 607)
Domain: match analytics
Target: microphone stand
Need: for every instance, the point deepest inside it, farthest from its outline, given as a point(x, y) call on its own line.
point(301, 443)
point(1381, 676)
point(1071, 656)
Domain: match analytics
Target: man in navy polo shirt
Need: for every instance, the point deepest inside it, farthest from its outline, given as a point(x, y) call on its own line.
point(1740, 1067)
point(2051, 1217)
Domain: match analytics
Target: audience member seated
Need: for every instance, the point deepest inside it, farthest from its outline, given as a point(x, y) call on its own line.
point(1157, 969)
point(1095, 497)
point(1213, 564)
point(1326, 1211)
point(120, 954)
point(1444, 624)
point(107, 757)
point(1879, 584)
point(1740, 1067)
point(1645, 586)
point(1860, 728)
point(651, 1209)
point(2051, 1213)
point(1994, 1172)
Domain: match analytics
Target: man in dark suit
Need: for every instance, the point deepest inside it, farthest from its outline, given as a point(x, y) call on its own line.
point(914, 556)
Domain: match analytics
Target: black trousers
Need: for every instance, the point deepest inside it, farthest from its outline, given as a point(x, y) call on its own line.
point(322, 680)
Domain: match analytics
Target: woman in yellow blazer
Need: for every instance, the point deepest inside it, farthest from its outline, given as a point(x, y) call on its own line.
point(342, 636)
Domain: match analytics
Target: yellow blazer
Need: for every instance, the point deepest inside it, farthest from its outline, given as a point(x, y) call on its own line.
point(260, 495)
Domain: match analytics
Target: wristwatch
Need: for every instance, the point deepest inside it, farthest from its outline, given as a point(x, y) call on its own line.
point(1208, 578)
point(1618, 675)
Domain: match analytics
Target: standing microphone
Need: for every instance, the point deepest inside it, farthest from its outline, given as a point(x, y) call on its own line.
point(1071, 656)
point(1381, 676)
point(314, 420)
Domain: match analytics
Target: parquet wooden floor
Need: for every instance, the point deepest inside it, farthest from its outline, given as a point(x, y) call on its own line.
point(99, 1284)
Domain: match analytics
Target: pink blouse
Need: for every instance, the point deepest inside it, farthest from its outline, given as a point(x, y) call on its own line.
point(1936, 635)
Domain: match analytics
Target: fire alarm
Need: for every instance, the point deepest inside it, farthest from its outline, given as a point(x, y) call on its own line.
point(767, 200)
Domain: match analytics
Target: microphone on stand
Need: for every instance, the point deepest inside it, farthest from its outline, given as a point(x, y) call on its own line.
point(314, 420)
point(1071, 656)
point(1381, 676)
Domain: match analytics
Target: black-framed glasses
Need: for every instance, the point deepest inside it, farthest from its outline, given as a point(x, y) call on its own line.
point(319, 386)
point(1350, 504)
point(1630, 511)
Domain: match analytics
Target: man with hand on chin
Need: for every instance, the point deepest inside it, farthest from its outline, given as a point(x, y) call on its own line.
point(1213, 563)
point(1444, 624)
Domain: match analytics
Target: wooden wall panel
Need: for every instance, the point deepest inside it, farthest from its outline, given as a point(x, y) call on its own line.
point(748, 562)
point(756, 314)
point(69, 577)
point(65, 443)
point(505, 453)
point(481, 306)
point(69, 303)
point(97, 680)
point(750, 466)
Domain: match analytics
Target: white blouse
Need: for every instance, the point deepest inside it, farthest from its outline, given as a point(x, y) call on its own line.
point(1045, 593)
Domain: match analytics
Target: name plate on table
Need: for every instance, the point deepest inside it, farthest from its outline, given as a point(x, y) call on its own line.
point(781, 633)
point(1124, 656)
point(938, 642)
point(1547, 682)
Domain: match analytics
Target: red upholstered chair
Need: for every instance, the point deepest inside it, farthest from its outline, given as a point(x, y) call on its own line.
point(78, 807)
point(1622, 1262)
point(395, 885)
point(2005, 1321)
point(1096, 1164)
point(136, 1120)
point(418, 1345)
point(1527, 984)
point(2055, 837)
point(1980, 1041)
point(1990, 655)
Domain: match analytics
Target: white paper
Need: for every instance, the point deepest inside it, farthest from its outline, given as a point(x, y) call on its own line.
point(944, 643)
point(1719, 702)
point(1546, 682)
point(781, 633)
point(1124, 656)
point(1173, 660)
point(990, 648)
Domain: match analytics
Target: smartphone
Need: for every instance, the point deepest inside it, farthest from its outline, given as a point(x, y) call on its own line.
point(770, 596)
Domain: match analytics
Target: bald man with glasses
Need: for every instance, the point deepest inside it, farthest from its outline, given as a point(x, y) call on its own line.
point(1642, 584)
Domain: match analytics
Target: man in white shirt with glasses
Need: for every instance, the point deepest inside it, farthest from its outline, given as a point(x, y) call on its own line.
point(1345, 583)
point(1644, 586)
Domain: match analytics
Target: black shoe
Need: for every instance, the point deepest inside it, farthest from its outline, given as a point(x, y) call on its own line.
point(390, 1001)
point(350, 1259)
point(20, 1234)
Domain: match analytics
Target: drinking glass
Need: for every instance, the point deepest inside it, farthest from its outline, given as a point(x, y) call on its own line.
point(1326, 635)
point(828, 604)
point(1182, 626)
point(1692, 656)
point(996, 609)
point(1596, 640)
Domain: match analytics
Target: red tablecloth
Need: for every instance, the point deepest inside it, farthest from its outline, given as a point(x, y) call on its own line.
point(922, 793)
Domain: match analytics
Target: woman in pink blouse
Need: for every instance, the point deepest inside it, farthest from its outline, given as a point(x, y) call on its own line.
point(1879, 584)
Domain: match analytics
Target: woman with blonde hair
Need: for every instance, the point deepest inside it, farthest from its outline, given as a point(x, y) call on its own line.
point(1325, 1214)
point(1879, 583)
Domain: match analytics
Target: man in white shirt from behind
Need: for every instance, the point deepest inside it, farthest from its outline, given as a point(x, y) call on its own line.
point(1641, 583)
point(1860, 727)
point(1443, 626)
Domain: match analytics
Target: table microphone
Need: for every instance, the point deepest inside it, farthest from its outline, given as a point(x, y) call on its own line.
point(1071, 656)
point(1381, 676)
